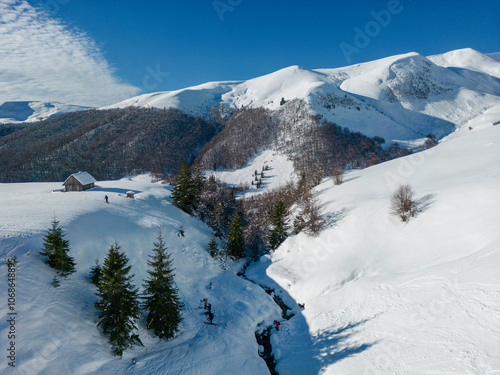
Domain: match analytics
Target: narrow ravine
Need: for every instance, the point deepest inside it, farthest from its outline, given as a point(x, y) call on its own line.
point(263, 335)
point(264, 340)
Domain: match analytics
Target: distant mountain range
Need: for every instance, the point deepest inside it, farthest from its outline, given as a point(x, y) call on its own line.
point(29, 111)
point(401, 98)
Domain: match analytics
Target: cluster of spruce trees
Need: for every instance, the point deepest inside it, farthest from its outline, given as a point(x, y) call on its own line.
point(245, 227)
point(120, 303)
point(192, 194)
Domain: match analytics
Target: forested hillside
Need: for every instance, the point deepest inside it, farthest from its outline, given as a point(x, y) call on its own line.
point(316, 146)
point(107, 143)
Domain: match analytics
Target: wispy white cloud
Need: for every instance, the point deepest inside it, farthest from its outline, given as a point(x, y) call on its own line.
point(43, 59)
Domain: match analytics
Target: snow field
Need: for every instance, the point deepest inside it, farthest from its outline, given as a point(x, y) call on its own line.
point(21, 111)
point(56, 326)
point(280, 172)
point(386, 297)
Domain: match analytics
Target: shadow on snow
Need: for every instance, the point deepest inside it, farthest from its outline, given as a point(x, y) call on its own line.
point(295, 348)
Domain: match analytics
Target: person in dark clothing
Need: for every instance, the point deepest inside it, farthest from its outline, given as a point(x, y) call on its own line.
point(210, 317)
point(106, 198)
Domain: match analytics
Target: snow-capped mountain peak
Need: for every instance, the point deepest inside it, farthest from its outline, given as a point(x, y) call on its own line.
point(470, 59)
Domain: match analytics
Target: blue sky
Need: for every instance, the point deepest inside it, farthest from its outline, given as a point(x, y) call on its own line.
point(160, 45)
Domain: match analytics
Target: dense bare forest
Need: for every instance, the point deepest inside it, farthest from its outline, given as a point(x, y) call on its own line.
point(112, 143)
point(315, 146)
point(108, 144)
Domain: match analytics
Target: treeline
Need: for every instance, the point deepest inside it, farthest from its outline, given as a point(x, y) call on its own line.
point(316, 147)
point(109, 144)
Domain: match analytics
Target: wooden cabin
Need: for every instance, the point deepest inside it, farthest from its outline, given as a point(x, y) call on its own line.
point(79, 182)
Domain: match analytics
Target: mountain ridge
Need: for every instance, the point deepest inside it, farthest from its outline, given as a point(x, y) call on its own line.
point(401, 98)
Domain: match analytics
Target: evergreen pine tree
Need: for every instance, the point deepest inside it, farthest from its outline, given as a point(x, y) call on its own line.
point(236, 239)
point(213, 249)
point(95, 273)
point(56, 248)
point(217, 221)
point(198, 183)
point(117, 305)
point(160, 296)
point(183, 194)
point(278, 233)
point(55, 282)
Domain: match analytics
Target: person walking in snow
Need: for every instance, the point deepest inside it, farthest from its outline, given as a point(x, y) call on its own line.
point(277, 324)
point(106, 199)
point(210, 317)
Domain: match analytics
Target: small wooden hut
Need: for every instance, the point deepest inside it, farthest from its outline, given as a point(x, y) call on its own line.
point(79, 182)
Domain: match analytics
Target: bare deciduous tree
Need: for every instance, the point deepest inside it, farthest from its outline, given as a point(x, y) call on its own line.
point(403, 203)
point(337, 175)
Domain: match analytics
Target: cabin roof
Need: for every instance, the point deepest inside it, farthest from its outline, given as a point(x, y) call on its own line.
point(82, 177)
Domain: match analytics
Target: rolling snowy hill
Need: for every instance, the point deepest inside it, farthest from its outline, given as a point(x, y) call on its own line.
point(401, 98)
point(470, 59)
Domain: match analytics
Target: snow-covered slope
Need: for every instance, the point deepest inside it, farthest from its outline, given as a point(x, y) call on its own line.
point(383, 297)
point(494, 56)
point(56, 331)
point(380, 296)
point(277, 171)
point(196, 100)
point(401, 98)
point(470, 59)
point(33, 111)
